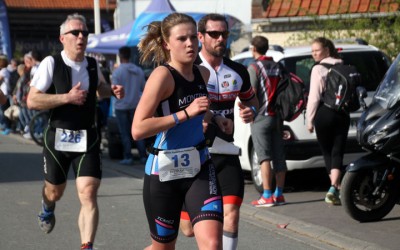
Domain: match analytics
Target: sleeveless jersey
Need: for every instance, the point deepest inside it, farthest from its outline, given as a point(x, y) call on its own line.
point(230, 81)
point(188, 133)
point(71, 116)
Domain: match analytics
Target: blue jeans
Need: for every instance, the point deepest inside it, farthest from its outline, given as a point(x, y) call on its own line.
point(125, 119)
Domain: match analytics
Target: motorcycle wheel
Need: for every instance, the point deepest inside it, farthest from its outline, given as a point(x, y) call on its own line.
point(360, 198)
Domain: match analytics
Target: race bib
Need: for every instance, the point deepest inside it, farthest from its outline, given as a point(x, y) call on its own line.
point(71, 140)
point(178, 163)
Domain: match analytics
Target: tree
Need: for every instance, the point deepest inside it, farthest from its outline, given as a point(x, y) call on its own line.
point(381, 31)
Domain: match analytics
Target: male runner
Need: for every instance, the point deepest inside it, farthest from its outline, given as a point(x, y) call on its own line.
point(228, 80)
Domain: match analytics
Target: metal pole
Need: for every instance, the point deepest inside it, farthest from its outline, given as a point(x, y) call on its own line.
point(97, 27)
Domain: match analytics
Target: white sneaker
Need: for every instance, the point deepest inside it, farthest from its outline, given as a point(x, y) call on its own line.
point(27, 136)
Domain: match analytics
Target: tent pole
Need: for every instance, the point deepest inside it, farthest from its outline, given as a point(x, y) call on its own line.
point(97, 29)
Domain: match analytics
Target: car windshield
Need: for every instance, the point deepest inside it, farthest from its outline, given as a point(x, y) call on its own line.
point(388, 92)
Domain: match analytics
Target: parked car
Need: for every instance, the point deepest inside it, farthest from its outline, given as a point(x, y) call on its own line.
point(302, 150)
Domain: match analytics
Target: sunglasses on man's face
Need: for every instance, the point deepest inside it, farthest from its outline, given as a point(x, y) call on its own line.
point(85, 33)
point(217, 34)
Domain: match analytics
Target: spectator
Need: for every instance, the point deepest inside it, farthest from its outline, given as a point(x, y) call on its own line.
point(266, 131)
point(20, 94)
point(12, 70)
point(5, 123)
point(132, 78)
point(36, 59)
point(331, 126)
point(3, 98)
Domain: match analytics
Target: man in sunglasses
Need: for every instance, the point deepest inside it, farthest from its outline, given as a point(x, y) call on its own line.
point(228, 80)
point(67, 84)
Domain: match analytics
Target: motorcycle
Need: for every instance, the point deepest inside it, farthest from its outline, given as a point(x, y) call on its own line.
point(371, 185)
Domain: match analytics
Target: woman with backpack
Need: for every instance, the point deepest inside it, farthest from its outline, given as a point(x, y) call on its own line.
point(331, 126)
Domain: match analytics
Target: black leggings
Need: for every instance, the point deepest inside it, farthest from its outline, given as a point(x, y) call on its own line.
point(332, 128)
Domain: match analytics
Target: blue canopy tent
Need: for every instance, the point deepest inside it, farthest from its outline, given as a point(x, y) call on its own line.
point(109, 42)
point(139, 27)
point(130, 35)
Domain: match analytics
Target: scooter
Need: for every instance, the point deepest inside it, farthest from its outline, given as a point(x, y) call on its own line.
point(371, 184)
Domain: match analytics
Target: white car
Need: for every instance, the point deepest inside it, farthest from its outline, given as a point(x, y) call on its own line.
point(302, 149)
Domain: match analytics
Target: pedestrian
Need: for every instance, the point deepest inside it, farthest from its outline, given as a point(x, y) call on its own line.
point(19, 95)
point(21, 92)
point(3, 98)
point(12, 70)
point(132, 78)
point(66, 84)
point(331, 127)
point(36, 59)
point(266, 131)
point(5, 122)
point(173, 105)
point(228, 80)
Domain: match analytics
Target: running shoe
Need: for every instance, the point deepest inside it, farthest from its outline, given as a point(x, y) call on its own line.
point(126, 161)
point(280, 200)
point(27, 136)
point(87, 246)
point(46, 220)
point(6, 131)
point(263, 202)
point(332, 198)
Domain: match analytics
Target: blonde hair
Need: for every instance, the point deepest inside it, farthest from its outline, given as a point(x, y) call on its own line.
point(152, 45)
point(21, 69)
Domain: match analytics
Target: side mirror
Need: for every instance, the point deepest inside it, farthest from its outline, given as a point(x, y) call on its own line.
point(362, 94)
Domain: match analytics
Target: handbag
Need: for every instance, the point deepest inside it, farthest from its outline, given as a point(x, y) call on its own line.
point(12, 112)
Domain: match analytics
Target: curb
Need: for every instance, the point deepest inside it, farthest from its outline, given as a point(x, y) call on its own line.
point(319, 233)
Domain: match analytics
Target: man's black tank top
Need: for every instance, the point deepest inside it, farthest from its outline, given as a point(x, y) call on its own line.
point(72, 116)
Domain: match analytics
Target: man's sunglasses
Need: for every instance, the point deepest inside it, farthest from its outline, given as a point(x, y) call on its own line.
point(85, 33)
point(217, 34)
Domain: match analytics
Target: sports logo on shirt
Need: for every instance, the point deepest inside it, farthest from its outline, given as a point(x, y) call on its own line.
point(225, 84)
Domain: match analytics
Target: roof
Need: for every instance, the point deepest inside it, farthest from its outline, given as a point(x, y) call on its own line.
point(59, 4)
point(305, 51)
point(296, 8)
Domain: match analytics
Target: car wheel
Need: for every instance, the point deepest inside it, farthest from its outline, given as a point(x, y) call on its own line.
point(256, 171)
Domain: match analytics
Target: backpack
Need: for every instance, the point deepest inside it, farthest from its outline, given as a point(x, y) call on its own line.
point(341, 83)
point(290, 97)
